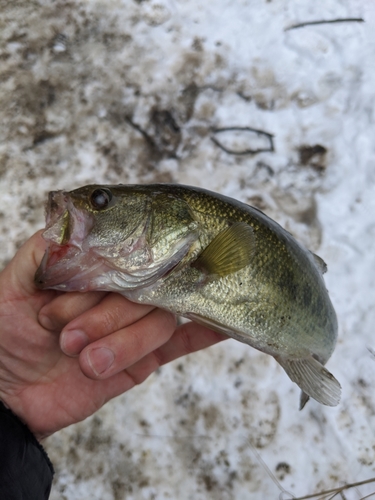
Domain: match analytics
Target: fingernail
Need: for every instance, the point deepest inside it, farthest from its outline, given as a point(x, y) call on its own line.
point(73, 341)
point(46, 322)
point(100, 359)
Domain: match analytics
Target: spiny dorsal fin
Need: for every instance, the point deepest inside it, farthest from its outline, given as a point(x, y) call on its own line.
point(230, 251)
point(322, 266)
point(314, 380)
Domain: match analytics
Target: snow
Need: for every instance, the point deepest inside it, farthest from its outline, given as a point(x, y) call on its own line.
point(133, 91)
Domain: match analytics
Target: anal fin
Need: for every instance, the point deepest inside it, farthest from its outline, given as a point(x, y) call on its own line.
point(314, 380)
point(303, 399)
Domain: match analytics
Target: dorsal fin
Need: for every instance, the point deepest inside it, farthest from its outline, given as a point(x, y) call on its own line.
point(322, 266)
point(231, 250)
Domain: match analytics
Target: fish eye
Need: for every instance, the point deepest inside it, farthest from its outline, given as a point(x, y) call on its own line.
point(100, 198)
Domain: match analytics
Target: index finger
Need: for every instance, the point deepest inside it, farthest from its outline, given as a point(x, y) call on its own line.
point(66, 307)
point(113, 313)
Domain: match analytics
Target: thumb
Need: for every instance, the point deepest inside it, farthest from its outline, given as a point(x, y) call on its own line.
point(18, 275)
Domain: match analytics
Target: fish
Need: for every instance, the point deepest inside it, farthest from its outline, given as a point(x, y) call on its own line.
point(203, 256)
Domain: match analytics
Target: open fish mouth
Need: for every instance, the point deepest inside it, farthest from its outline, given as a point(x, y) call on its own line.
point(52, 269)
point(66, 229)
point(66, 268)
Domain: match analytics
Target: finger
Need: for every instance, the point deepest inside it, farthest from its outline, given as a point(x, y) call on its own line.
point(187, 338)
point(113, 313)
point(66, 307)
point(115, 353)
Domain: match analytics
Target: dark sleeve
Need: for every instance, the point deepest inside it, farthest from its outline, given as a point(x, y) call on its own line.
point(26, 471)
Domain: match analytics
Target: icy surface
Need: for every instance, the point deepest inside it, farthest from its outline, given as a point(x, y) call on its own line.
point(136, 91)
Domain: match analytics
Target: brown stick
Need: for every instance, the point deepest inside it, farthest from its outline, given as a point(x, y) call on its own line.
point(337, 490)
point(330, 21)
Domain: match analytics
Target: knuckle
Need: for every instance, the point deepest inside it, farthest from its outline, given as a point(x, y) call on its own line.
point(140, 371)
point(168, 320)
point(136, 379)
point(109, 319)
point(138, 342)
point(159, 358)
point(186, 340)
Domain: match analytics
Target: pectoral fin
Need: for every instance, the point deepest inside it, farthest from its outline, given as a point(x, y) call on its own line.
point(314, 380)
point(230, 251)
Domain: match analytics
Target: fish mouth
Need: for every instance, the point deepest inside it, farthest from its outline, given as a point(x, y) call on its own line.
point(65, 232)
point(66, 268)
point(52, 270)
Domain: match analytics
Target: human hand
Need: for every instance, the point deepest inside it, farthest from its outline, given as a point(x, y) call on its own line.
point(55, 347)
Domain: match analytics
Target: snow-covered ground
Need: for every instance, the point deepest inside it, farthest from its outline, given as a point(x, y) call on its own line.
point(140, 91)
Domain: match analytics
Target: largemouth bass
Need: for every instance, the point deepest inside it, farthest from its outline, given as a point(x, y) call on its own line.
point(203, 256)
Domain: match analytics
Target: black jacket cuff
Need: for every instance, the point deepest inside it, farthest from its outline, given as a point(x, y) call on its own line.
point(26, 472)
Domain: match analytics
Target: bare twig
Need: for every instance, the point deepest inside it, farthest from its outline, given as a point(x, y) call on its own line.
point(283, 491)
point(371, 495)
point(329, 21)
point(137, 127)
point(270, 148)
point(337, 490)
